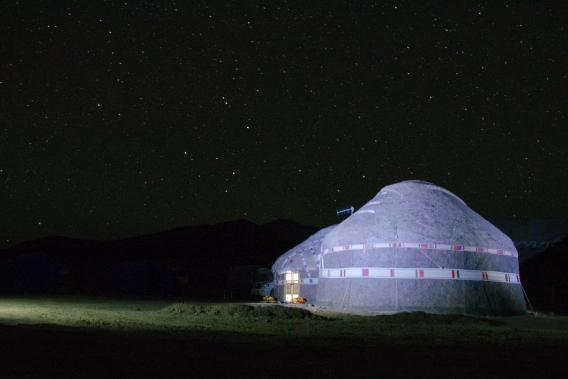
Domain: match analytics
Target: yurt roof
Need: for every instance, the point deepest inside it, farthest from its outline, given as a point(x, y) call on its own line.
point(304, 256)
point(417, 212)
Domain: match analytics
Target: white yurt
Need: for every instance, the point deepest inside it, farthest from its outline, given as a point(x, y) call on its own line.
point(414, 247)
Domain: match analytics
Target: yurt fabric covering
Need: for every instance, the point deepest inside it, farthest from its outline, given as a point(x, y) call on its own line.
point(418, 247)
point(304, 260)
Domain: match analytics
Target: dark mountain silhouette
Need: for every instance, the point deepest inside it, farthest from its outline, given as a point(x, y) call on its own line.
point(207, 252)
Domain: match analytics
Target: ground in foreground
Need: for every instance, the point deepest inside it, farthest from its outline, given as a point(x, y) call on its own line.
point(93, 338)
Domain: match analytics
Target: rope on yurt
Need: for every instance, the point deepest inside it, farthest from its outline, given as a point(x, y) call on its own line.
point(526, 296)
point(420, 250)
point(348, 283)
point(360, 257)
point(345, 293)
point(396, 266)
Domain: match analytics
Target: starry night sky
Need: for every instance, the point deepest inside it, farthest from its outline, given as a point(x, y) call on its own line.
point(120, 119)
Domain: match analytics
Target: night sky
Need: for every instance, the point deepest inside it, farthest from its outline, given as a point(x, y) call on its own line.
point(119, 119)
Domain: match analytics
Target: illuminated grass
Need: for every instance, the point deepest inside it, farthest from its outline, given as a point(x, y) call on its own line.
point(180, 318)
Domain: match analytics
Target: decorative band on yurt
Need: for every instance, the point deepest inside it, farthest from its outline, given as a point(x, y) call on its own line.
point(419, 245)
point(302, 281)
point(420, 273)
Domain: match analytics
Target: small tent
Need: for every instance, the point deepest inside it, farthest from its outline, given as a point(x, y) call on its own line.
point(297, 270)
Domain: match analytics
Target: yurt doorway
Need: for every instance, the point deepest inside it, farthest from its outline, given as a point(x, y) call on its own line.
point(292, 285)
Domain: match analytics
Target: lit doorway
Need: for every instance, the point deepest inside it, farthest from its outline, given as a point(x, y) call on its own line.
point(292, 286)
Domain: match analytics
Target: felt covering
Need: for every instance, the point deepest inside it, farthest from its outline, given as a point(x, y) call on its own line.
point(418, 247)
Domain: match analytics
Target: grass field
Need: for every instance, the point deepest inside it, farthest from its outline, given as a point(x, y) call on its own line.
point(93, 338)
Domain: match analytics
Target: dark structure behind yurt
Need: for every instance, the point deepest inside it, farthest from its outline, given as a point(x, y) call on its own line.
point(418, 247)
point(545, 280)
point(532, 237)
point(139, 278)
point(296, 272)
point(34, 274)
point(543, 253)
